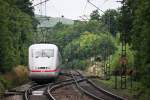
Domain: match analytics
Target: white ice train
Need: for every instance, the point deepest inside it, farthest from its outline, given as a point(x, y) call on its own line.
point(44, 61)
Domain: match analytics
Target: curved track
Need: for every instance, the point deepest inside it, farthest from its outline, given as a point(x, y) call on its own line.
point(93, 91)
point(55, 86)
point(85, 85)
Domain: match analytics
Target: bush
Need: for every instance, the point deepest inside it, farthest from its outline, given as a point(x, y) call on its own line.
point(20, 73)
point(115, 57)
point(76, 64)
point(13, 78)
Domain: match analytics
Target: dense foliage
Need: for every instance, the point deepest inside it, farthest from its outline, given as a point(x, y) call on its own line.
point(136, 20)
point(16, 27)
point(110, 20)
point(81, 41)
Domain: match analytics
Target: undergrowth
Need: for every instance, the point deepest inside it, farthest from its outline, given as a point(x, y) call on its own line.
point(15, 77)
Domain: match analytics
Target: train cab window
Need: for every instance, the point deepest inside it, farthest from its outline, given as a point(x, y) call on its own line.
point(48, 53)
point(43, 53)
point(37, 53)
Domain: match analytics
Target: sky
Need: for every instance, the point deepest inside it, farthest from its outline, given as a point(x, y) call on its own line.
point(72, 9)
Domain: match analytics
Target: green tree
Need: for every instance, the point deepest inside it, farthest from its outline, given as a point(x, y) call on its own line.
point(95, 15)
point(135, 22)
point(16, 35)
point(141, 36)
point(110, 20)
point(88, 45)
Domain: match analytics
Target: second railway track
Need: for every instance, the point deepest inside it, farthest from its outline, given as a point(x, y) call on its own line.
point(93, 91)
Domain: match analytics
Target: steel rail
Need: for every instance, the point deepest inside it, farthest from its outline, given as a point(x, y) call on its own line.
point(32, 88)
point(48, 91)
point(105, 92)
point(101, 89)
point(50, 96)
point(55, 86)
point(85, 91)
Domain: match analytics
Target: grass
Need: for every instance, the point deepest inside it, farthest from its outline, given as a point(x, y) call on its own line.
point(128, 93)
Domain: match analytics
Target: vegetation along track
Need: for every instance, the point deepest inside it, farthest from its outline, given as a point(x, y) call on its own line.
point(93, 91)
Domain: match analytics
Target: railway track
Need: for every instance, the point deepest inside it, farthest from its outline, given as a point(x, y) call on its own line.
point(36, 92)
point(75, 85)
point(92, 90)
point(55, 86)
point(86, 86)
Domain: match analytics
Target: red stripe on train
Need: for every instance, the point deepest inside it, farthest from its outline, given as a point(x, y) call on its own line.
point(57, 70)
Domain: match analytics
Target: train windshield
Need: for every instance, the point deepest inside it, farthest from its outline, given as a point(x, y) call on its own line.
point(48, 53)
point(43, 53)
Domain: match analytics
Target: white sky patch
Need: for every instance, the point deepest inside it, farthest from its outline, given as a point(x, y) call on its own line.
point(72, 9)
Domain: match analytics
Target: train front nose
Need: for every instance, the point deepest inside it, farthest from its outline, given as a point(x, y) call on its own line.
point(43, 74)
point(43, 68)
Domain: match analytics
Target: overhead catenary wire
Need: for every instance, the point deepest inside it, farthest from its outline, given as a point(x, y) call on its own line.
point(85, 6)
point(40, 3)
point(45, 9)
point(41, 7)
point(95, 6)
point(42, 31)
